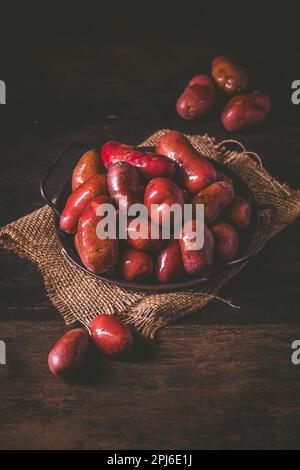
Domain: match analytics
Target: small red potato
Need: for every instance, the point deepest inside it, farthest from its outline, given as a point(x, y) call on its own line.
point(149, 164)
point(90, 164)
point(98, 255)
point(226, 241)
point(68, 353)
point(229, 75)
point(76, 243)
point(141, 243)
point(164, 193)
point(196, 261)
point(197, 98)
point(238, 213)
point(169, 263)
point(111, 335)
point(79, 199)
point(135, 265)
point(123, 184)
point(196, 171)
point(245, 111)
point(223, 177)
point(215, 198)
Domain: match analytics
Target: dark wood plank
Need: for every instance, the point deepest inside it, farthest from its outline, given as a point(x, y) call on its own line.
point(201, 387)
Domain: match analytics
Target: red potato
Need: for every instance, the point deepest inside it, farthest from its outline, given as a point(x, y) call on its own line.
point(223, 177)
point(123, 184)
point(196, 171)
point(215, 198)
point(68, 354)
point(78, 201)
point(226, 241)
point(98, 255)
point(197, 98)
point(90, 164)
point(135, 265)
point(196, 261)
point(229, 75)
point(111, 335)
point(76, 244)
point(149, 164)
point(169, 263)
point(141, 243)
point(245, 111)
point(164, 193)
point(238, 213)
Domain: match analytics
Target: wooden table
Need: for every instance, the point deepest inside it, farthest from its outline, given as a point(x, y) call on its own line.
point(220, 379)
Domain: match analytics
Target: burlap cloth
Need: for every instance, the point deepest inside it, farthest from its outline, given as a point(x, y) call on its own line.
point(79, 296)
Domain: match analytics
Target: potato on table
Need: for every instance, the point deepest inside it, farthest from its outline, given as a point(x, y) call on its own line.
point(197, 98)
point(229, 75)
point(245, 111)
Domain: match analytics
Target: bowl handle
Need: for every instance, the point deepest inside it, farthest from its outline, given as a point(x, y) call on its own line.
point(49, 172)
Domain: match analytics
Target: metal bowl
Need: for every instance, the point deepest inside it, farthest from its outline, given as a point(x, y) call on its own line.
point(246, 250)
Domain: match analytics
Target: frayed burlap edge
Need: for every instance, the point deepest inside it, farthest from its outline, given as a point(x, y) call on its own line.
point(79, 296)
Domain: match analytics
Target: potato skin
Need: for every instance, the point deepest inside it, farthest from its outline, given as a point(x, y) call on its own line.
point(196, 261)
point(215, 198)
point(196, 171)
point(239, 213)
point(149, 164)
point(143, 244)
point(229, 75)
point(123, 181)
point(165, 193)
point(247, 110)
point(135, 265)
point(226, 241)
point(111, 335)
point(169, 263)
point(76, 244)
point(68, 353)
point(97, 255)
point(197, 98)
point(90, 164)
point(79, 199)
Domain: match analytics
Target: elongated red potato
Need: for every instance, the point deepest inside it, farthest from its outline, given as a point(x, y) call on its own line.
point(197, 98)
point(238, 213)
point(245, 111)
point(138, 230)
point(149, 164)
point(76, 244)
point(223, 177)
point(111, 335)
point(123, 184)
point(79, 199)
point(164, 193)
point(226, 241)
point(198, 261)
point(98, 255)
point(196, 171)
point(229, 75)
point(135, 265)
point(68, 354)
point(90, 164)
point(215, 198)
point(169, 263)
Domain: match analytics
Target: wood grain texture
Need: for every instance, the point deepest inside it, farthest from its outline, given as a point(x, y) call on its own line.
point(222, 378)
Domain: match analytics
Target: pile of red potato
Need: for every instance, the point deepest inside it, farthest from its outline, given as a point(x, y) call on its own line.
point(175, 174)
point(242, 111)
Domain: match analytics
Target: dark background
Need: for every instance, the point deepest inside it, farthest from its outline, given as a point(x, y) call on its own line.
point(220, 379)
